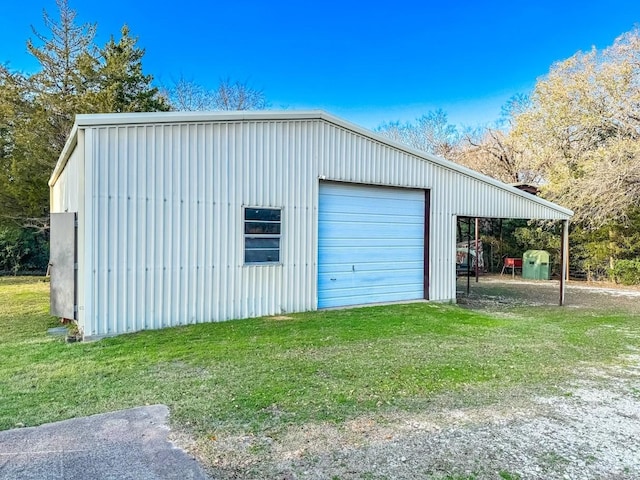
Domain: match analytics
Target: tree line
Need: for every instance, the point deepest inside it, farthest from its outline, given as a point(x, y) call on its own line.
point(37, 111)
point(575, 136)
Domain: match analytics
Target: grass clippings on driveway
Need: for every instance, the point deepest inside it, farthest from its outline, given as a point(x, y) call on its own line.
point(247, 392)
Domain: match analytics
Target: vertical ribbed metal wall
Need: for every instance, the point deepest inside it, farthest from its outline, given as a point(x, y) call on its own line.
point(166, 240)
point(65, 192)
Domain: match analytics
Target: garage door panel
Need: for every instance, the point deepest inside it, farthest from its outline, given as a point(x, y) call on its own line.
point(364, 193)
point(377, 279)
point(391, 215)
point(371, 230)
point(373, 243)
point(363, 296)
point(392, 255)
point(335, 202)
point(370, 215)
point(370, 245)
point(397, 290)
point(403, 269)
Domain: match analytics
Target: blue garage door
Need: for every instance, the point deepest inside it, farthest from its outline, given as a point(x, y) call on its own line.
point(370, 245)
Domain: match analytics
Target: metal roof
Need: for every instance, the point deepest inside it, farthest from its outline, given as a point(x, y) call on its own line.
point(153, 118)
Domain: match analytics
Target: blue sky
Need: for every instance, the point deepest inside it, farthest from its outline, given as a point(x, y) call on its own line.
point(369, 62)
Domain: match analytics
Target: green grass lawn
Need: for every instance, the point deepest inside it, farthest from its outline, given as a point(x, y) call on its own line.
point(250, 375)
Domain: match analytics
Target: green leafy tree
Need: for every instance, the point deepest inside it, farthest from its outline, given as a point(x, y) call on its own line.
point(26, 155)
point(37, 113)
point(58, 86)
point(117, 80)
point(22, 250)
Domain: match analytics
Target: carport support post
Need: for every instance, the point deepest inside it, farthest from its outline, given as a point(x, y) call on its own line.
point(468, 256)
point(477, 261)
point(564, 259)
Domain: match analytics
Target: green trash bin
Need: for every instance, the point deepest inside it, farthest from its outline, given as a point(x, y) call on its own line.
point(536, 265)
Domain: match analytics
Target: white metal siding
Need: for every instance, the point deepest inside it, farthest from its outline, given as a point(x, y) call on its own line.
point(68, 195)
point(168, 247)
point(370, 244)
point(65, 192)
point(165, 240)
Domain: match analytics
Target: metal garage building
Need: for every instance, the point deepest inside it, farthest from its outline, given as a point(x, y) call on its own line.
point(196, 217)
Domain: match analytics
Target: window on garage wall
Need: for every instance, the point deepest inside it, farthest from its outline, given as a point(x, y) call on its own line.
point(262, 234)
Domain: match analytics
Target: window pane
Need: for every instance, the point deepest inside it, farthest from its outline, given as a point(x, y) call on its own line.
point(262, 228)
point(267, 214)
point(261, 256)
point(270, 243)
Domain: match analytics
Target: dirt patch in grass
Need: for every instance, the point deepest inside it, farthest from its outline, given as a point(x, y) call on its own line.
point(588, 430)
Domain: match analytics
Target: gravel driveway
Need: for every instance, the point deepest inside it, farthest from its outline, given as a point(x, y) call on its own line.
point(590, 432)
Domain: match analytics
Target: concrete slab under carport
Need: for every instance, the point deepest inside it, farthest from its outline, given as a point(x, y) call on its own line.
point(127, 444)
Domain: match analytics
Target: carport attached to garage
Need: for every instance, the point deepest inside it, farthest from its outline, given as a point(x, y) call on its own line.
point(169, 247)
point(371, 244)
